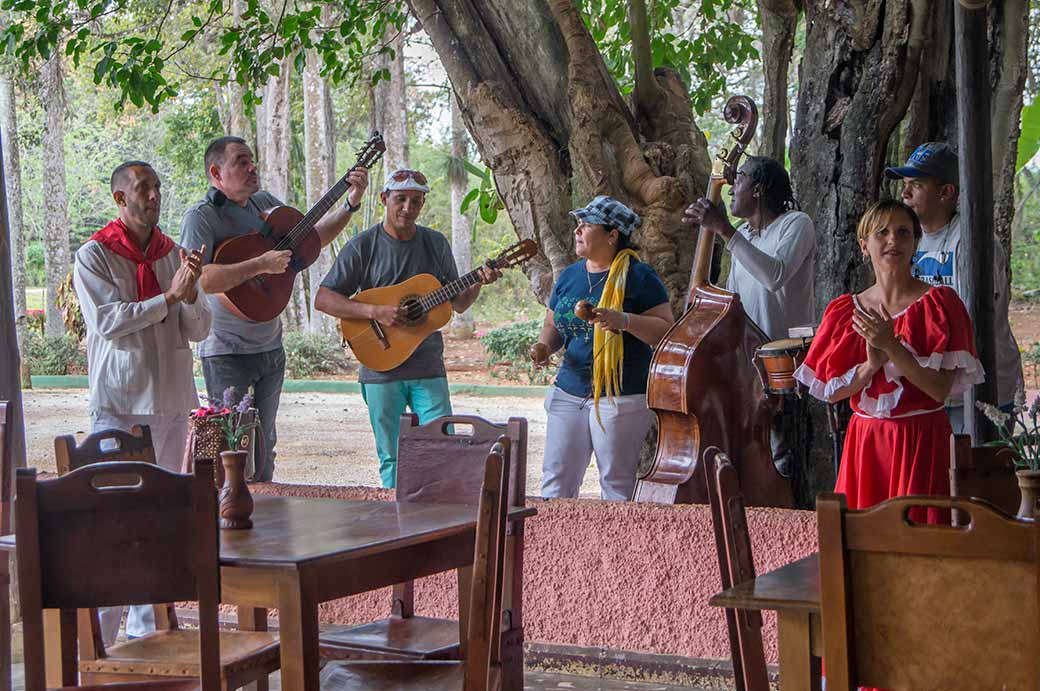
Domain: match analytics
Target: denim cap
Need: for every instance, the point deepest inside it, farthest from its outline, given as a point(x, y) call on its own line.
point(607, 211)
point(931, 160)
point(409, 183)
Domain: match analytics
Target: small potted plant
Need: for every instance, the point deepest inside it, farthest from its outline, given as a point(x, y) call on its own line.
point(1022, 437)
point(236, 503)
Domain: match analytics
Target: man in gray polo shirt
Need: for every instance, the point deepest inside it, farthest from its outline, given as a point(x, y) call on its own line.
point(930, 187)
point(239, 352)
point(385, 254)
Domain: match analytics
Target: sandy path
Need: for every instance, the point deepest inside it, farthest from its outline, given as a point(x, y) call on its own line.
point(324, 439)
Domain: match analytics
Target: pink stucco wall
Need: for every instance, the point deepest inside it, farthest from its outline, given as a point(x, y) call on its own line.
point(615, 575)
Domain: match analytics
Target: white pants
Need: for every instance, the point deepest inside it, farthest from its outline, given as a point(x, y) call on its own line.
point(169, 434)
point(572, 435)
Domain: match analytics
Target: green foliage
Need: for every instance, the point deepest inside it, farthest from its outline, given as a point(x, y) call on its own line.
point(509, 345)
point(486, 194)
point(53, 355)
point(133, 62)
point(35, 274)
point(701, 56)
point(308, 355)
point(1029, 140)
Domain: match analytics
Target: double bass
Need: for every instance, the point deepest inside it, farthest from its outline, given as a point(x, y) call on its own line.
point(704, 385)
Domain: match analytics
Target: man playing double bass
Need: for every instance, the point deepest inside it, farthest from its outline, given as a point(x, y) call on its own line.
point(239, 352)
point(772, 253)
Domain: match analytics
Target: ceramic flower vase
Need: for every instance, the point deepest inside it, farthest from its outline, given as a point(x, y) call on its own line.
point(1029, 486)
point(236, 503)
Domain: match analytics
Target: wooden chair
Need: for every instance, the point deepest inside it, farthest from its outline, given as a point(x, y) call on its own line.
point(736, 565)
point(135, 445)
point(983, 472)
point(84, 542)
point(440, 462)
point(908, 605)
point(245, 656)
point(481, 667)
point(6, 480)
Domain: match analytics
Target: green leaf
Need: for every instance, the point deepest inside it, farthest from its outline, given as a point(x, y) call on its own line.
point(468, 199)
point(1029, 139)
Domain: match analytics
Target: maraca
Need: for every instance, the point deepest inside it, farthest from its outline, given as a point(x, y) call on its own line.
point(585, 310)
point(539, 353)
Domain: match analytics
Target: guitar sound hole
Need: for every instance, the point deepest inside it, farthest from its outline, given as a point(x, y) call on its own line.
point(413, 310)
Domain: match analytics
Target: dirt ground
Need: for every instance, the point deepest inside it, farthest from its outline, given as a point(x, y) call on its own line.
point(323, 439)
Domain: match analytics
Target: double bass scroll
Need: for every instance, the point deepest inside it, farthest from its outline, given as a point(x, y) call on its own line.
point(703, 384)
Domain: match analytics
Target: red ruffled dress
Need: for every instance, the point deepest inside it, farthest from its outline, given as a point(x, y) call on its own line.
point(898, 441)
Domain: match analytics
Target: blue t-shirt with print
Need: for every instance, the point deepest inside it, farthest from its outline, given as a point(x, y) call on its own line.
point(643, 291)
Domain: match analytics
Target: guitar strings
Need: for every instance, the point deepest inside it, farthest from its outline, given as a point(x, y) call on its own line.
point(302, 228)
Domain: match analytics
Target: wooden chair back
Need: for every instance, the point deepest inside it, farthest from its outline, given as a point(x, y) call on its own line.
point(736, 565)
point(908, 605)
point(135, 445)
point(6, 466)
point(443, 462)
point(982, 472)
point(116, 534)
point(483, 646)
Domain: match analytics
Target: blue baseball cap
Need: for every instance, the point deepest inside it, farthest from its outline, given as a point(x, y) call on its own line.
point(930, 160)
point(607, 211)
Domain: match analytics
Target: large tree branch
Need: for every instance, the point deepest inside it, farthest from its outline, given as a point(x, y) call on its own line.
point(646, 92)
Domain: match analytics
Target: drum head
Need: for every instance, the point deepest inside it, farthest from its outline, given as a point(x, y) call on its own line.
point(785, 345)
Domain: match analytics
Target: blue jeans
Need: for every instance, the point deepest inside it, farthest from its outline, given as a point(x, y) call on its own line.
point(428, 398)
point(264, 372)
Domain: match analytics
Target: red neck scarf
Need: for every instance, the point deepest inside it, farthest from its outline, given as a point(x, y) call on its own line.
point(118, 238)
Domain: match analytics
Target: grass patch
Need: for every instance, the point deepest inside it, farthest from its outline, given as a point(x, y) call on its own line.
point(34, 298)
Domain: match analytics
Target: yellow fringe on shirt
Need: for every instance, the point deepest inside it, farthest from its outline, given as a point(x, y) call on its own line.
point(609, 348)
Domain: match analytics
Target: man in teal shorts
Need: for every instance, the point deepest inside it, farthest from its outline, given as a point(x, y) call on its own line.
point(386, 254)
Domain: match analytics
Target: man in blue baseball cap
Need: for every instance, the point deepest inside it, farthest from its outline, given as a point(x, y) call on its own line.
point(931, 189)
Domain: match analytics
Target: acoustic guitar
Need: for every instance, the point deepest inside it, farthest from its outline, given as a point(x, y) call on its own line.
point(427, 306)
point(263, 297)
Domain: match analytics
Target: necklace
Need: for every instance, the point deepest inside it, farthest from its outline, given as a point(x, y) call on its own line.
point(592, 285)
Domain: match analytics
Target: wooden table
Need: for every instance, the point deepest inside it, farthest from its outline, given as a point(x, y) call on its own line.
point(794, 592)
point(303, 551)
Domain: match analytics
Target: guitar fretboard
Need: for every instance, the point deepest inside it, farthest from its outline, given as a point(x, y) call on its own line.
point(449, 291)
point(315, 214)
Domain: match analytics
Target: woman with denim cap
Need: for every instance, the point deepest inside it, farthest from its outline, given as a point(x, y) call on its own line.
point(598, 401)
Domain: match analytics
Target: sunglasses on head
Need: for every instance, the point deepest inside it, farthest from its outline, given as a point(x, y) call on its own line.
point(402, 175)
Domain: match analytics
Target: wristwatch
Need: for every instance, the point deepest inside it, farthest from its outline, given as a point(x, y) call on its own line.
point(351, 209)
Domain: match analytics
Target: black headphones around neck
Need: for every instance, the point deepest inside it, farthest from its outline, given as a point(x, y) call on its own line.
point(216, 197)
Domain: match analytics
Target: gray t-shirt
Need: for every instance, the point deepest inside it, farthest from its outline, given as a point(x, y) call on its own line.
point(375, 259)
point(940, 261)
point(208, 224)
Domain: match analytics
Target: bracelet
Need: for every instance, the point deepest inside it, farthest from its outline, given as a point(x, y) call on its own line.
point(351, 209)
point(628, 320)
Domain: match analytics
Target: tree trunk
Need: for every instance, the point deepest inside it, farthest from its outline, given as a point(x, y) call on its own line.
point(276, 168)
point(237, 124)
point(779, 24)
point(55, 204)
point(858, 77)
point(555, 131)
point(461, 231)
point(389, 101)
point(10, 368)
point(318, 180)
point(1009, 31)
point(16, 229)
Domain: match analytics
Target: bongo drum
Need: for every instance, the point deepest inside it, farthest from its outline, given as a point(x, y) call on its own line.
point(780, 359)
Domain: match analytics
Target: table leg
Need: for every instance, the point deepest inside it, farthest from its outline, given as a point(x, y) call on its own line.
point(798, 669)
point(253, 619)
point(298, 634)
point(59, 628)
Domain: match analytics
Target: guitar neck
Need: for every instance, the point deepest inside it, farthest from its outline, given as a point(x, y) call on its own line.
point(450, 290)
point(321, 207)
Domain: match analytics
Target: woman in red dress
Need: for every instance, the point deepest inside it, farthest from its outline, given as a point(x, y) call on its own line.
point(896, 351)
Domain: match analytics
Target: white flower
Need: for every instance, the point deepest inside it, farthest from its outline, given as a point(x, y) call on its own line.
point(993, 413)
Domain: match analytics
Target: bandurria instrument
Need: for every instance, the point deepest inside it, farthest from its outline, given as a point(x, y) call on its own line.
point(427, 305)
point(263, 297)
point(703, 385)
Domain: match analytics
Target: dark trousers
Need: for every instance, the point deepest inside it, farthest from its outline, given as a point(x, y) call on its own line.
point(264, 373)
